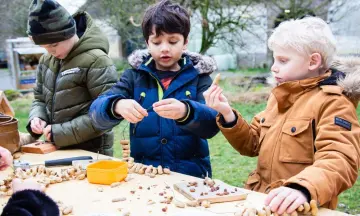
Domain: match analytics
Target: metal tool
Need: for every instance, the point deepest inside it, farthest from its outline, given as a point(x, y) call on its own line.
point(48, 163)
point(82, 164)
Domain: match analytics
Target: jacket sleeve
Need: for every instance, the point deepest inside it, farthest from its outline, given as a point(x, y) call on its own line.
point(38, 107)
point(30, 203)
point(101, 110)
point(100, 77)
point(76, 131)
point(336, 160)
point(202, 121)
point(243, 137)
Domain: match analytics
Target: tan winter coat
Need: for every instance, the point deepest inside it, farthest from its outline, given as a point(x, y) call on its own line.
point(309, 134)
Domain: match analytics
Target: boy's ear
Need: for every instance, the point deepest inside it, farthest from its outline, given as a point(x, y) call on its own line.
point(186, 42)
point(315, 61)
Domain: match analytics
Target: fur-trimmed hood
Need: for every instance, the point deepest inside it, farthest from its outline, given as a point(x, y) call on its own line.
point(350, 80)
point(204, 64)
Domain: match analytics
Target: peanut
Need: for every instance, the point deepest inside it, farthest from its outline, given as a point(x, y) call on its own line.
point(167, 171)
point(261, 213)
point(119, 199)
point(17, 155)
point(267, 210)
point(160, 170)
point(306, 207)
point(67, 210)
point(115, 184)
point(192, 203)
point(142, 170)
point(81, 176)
point(148, 170)
point(294, 213)
point(138, 168)
point(124, 142)
point(217, 79)
point(179, 204)
point(205, 204)
point(314, 208)
point(300, 208)
point(125, 147)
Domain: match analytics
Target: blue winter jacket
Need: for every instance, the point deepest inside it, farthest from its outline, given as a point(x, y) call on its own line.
point(159, 141)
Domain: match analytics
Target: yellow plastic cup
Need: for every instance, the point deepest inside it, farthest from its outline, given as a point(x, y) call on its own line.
point(107, 172)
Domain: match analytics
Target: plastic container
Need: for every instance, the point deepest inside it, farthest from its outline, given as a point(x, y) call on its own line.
point(107, 172)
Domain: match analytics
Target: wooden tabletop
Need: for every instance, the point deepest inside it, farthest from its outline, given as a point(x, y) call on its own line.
point(87, 200)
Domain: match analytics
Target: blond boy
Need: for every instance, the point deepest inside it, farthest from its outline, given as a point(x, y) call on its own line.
point(307, 138)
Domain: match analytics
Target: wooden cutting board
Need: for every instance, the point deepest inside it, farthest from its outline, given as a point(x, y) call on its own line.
point(39, 147)
point(203, 192)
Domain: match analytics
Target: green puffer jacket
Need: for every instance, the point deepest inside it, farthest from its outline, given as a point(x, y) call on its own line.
point(66, 88)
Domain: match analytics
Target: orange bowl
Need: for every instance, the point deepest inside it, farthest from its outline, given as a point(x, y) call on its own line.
point(107, 172)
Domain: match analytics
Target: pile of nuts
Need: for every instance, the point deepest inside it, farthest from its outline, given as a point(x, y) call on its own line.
point(43, 175)
point(305, 209)
point(138, 167)
point(46, 176)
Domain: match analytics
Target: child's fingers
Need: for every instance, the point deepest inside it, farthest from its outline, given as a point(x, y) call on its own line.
point(271, 196)
point(277, 201)
point(48, 137)
point(207, 93)
point(42, 124)
point(217, 97)
point(212, 96)
point(165, 113)
point(164, 102)
point(287, 202)
point(35, 124)
point(140, 111)
point(298, 202)
point(35, 130)
point(129, 117)
point(168, 107)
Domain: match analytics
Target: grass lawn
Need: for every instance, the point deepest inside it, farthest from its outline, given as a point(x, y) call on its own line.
point(227, 164)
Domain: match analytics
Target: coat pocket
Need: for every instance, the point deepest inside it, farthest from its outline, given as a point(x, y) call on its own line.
point(296, 142)
point(265, 126)
point(253, 181)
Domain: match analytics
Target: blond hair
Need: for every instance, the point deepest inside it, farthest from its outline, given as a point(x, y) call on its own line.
point(307, 36)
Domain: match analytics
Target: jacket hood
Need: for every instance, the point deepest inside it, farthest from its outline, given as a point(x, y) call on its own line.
point(204, 64)
point(347, 72)
point(90, 36)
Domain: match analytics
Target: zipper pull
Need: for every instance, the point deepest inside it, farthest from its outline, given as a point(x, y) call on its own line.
point(142, 97)
point(188, 94)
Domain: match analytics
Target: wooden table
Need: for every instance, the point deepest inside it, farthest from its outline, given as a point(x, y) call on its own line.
point(87, 200)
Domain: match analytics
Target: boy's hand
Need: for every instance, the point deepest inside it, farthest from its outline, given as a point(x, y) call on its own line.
point(216, 100)
point(47, 133)
point(170, 108)
point(130, 110)
point(6, 158)
point(37, 125)
point(285, 199)
point(28, 184)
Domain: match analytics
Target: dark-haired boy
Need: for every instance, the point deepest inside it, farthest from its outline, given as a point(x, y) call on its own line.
point(70, 76)
point(162, 97)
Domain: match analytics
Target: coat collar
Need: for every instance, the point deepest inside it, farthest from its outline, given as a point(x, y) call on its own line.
point(287, 93)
